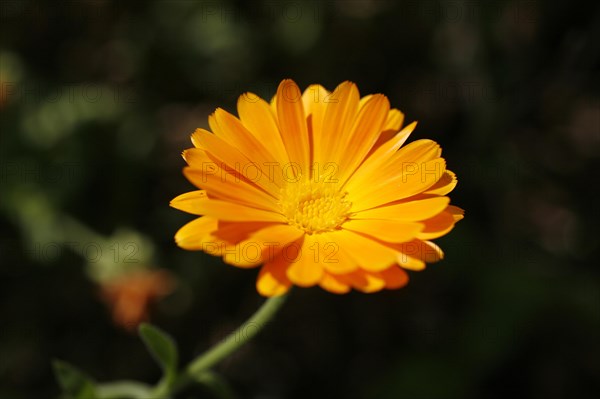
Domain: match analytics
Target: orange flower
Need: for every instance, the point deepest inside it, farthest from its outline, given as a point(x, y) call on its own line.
point(130, 294)
point(317, 188)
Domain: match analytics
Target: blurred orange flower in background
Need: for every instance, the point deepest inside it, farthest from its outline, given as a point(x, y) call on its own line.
point(130, 294)
point(317, 188)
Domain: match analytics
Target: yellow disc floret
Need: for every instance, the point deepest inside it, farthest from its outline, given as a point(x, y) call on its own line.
point(314, 207)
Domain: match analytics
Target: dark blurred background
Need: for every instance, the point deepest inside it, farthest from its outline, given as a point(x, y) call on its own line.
point(99, 99)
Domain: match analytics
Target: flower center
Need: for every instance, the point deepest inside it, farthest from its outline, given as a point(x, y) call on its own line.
point(314, 207)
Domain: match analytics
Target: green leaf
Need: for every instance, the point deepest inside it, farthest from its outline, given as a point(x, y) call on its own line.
point(74, 383)
point(216, 384)
point(123, 390)
point(162, 347)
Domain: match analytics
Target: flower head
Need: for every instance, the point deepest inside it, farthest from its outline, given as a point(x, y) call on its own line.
point(317, 188)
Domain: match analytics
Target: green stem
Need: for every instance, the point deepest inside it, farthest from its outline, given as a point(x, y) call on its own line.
point(243, 334)
point(234, 341)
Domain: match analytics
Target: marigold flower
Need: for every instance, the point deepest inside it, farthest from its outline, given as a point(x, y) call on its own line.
point(317, 188)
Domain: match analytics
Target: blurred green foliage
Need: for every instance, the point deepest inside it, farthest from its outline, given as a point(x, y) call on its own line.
point(98, 99)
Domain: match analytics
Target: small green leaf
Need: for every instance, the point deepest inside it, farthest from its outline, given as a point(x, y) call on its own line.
point(74, 383)
point(161, 346)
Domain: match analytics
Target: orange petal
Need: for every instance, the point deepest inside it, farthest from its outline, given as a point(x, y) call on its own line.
point(377, 159)
point(228, 211)
point(248, 173)
point(188, 202)
point(390, 128)
point(443, 186)
point(196, 157)
point(333, 259)
point(306, 269)
point(406, 211)
point(292, 124)
point(368, 253)
point(257, 117)
point(235, 132)
point(262, 245)
point(418, 151)
point(437, 226)
point(225, 153)
point(385, 230)
point(234, 232)
point(364, 281)
point(409, 179)
point(364, 100)
point(219, 184)
point(192, 235)
point(394, 120)
point(342, 107)
point(334, 284)
point(315, 99)
point(415, 254)
point(272, 279)
point(394, 277)
point(363, 136)
point(410, 263)
point(456, 212)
